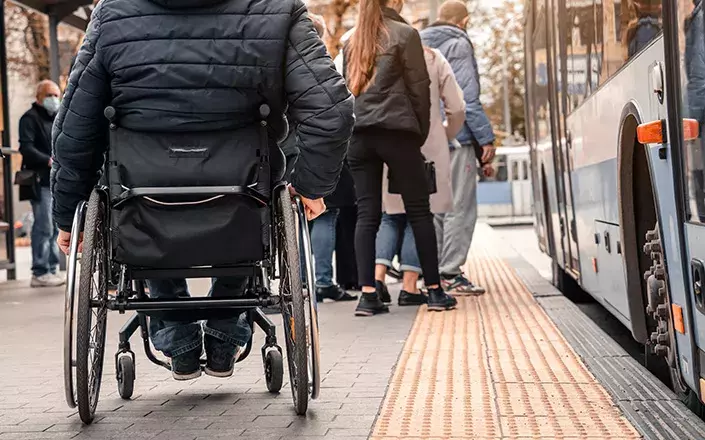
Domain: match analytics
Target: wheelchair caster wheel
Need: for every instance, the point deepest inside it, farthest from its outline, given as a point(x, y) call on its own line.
point(125, 376)
point(274, 371)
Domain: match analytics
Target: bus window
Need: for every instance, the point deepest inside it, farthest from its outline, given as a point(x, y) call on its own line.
point(627, 27)
point(643, 25)
point(542, 108)
point(525, 169)
point(582, 58)
point(692, 46)
point(608, 21)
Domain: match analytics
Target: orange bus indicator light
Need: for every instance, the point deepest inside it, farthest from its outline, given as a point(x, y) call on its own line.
point(678, 318)
point(651, 132)
point(691, 129)
point(654, 132)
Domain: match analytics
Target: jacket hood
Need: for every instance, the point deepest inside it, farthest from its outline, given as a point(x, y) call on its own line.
point(186, 4)
point(443, 31)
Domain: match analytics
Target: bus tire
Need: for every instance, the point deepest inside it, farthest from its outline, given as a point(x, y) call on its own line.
point(568, 286)
point(686, 395)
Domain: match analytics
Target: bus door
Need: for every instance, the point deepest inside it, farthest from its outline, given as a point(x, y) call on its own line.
point(562, 143)
point(685, 42)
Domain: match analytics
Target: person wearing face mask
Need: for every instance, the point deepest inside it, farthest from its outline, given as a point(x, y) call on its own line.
point(35, 147)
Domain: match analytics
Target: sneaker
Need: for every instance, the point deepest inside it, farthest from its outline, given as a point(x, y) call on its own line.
point(440, 301)
point(370, 305)
point(412, 299)
point(334, 292)
point(220, 357)
point(383, 292)
point(47, 280)
point(186, 366)
point(460, 285)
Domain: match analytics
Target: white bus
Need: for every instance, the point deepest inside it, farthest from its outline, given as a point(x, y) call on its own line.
point(617, 165)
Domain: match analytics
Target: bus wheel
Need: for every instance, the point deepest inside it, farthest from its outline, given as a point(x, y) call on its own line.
point(662, 341)
point(686, 395)
point(568, 286)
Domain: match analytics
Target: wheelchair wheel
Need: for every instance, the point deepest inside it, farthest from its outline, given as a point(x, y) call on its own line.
point(274, 371)
point(70, 308)
point(292, 302)
point(310, 306)
point(125, 369)
point(91, 314)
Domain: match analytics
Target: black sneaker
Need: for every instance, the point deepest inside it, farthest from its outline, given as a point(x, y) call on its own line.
point(220, 357)
point(334, 292)
point(186, 366)
point(383, 292)
point(439, 301)
point(412, 299)
point(370, 305)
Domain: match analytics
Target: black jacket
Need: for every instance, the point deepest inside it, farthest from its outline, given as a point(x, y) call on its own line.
point(35, 141)
point(200, 66)
point(399, 97)
point(344, 194)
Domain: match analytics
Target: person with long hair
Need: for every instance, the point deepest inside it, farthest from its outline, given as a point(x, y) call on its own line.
point(386, 71)
point(446, 122)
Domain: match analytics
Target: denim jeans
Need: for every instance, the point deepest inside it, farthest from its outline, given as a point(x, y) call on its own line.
point(45, 251)
point(323, 245)
point(177, 337)
point(387, 243)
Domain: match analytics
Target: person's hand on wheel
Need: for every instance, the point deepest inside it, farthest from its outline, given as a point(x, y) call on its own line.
point(64, 242)
point(313, 207)
point(487, 153)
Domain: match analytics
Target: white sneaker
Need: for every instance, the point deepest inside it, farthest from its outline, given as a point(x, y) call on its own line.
point(47, 280)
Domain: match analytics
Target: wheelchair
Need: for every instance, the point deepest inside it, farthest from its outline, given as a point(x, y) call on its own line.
point(109, 272)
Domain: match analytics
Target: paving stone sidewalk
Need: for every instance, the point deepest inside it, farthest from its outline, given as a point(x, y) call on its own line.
point(358, 358)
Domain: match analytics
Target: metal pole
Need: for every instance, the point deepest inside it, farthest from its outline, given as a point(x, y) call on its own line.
point(54, 47)
point(432, 10)
point(505, 79)
point(5, 142)
point(55, 74)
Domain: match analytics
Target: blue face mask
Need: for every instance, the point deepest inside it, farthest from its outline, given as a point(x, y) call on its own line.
point(51, 104)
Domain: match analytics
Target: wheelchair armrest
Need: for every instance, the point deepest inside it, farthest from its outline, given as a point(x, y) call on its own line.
point(187, 191)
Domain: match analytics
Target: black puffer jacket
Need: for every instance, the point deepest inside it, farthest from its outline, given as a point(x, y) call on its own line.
point(399, 97)
point(200, 66)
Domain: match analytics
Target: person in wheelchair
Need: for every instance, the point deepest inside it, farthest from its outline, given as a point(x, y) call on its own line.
point(186, 80)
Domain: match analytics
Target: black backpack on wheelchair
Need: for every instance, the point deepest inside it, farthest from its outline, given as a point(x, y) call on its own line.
point(172, 205)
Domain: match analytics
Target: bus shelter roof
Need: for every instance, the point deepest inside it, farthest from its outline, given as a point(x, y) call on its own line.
point(75, 13)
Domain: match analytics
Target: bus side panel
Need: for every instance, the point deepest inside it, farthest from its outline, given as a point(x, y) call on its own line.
point(662, 174)
point(595, 128)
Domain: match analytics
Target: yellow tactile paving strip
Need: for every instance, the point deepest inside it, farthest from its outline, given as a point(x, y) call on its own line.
point(495, 368)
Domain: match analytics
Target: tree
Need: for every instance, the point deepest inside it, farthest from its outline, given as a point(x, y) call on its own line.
point(27, 34)
point(27, 41)
point(497, 31)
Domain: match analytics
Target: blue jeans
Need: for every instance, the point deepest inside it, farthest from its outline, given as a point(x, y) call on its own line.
point(323, 246)
point(177, 337)
point(387, 243)
point(45, 251)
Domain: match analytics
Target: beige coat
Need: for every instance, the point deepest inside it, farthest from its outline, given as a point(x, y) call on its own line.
point(444, 88)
